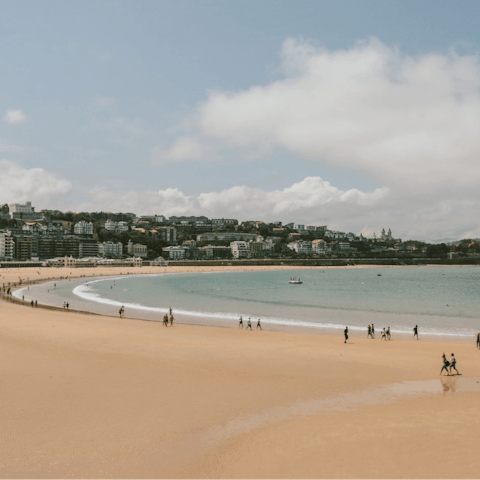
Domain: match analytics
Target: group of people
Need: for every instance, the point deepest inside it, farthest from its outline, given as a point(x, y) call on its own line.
point(249, 323)
point(167, 318)
point(66, 305)
point(449, 364)
point(386, 333)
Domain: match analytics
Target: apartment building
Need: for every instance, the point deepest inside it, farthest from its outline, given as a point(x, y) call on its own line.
point(7, 246)
point(83, 228)
point(240, 249)
point(110, 249)
point(167, 234)
point(136, 249)
point(301, 246)
point(117, 227)
point(174, 253)
point(88, 247)
point(24, 212)
point(319, 246)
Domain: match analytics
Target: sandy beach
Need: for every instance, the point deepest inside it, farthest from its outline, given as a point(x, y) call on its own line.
point(88, 396)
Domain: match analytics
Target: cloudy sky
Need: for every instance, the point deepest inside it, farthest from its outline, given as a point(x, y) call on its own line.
point(353, 114)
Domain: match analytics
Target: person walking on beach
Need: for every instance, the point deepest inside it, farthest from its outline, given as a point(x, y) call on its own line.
point(373, 330)
point(384, 335)
point(415, 331)
point(31, 303)
point(369, 331)
point(240, 322)
point(171, 320)
point(345, 333)
point(165, 320)
point(122, 309)
point(388, 333)
point(478, 340)
point(249, 324)
point(258, 325)
point(453, 362)
point(446, 364)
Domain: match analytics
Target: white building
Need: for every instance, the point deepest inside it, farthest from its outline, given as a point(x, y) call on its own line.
point(174, 253)
point(18, 208)
point(240, 249)
point(83, 228)
point(301, 246)
point(110, 249)
point(319, 246)
point(136, 249)
point(117, 227)
point(24, 212)
point(7, 245)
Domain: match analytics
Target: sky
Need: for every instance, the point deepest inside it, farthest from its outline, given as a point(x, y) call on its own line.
point(358, 115)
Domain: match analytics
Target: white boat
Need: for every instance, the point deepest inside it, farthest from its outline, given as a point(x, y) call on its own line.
point(295, 281)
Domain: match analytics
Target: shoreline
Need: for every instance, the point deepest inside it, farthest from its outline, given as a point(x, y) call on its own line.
point(106, 273)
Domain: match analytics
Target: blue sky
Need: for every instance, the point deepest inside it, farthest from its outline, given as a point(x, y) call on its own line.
point(204, 107)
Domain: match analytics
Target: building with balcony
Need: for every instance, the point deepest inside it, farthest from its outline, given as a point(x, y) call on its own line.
point(301, 246)
point(174, 253)
point(7, 246)
point(110, 249)
point(240, 249)
point(83, 228)
point(117, 227)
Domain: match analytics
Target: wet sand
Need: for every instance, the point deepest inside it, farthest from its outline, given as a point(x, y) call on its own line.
point(99, 397)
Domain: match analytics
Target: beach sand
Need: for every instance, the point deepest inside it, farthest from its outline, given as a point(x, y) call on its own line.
point(88, 396)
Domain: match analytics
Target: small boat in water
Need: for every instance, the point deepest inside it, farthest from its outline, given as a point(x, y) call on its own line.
point(295, 281)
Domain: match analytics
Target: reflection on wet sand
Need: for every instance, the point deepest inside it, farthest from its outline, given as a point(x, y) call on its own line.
point(371, 396)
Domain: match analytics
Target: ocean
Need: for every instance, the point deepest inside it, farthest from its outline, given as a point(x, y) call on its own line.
point(442, 301)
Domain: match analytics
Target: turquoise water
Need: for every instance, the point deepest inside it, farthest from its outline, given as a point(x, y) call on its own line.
point(443, 301)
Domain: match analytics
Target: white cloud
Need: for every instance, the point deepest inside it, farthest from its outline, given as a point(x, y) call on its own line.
point(400, 118)
point(14, 116)
point(312, 199)
point(18, 184)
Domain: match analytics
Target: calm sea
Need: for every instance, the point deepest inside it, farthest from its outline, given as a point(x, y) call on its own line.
point(443, 301)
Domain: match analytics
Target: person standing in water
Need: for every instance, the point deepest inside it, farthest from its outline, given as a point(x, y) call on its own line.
point(446, 364)
point(258, 325)
point(415, 331)
point(240, 322)
point(345, 333)
point(249, 324)
point(453, 362)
